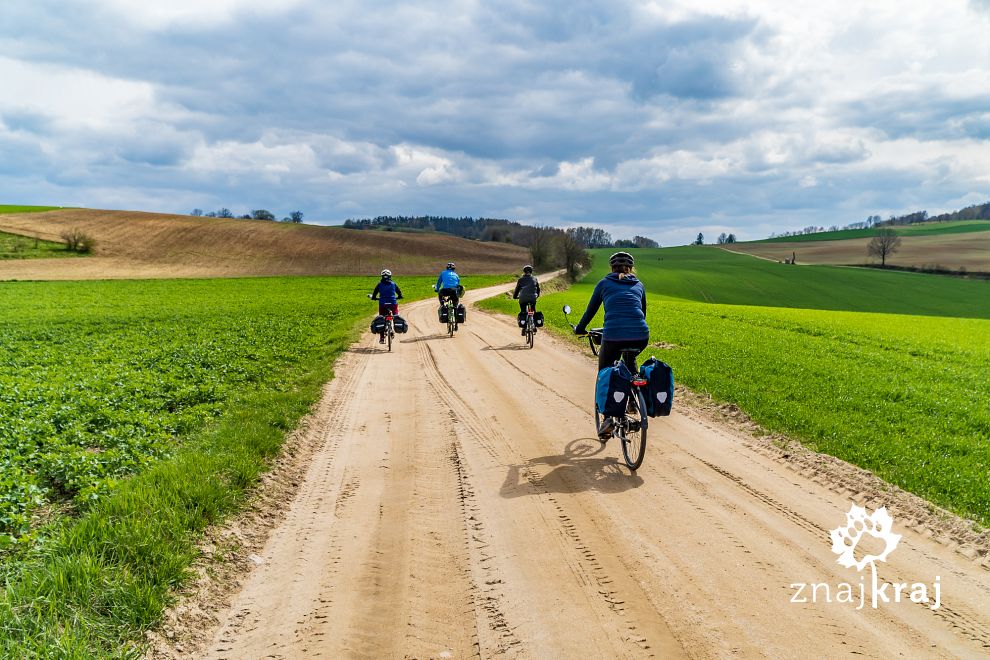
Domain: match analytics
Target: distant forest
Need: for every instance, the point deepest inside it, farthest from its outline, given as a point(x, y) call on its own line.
point(496, 230)
point(975, 212)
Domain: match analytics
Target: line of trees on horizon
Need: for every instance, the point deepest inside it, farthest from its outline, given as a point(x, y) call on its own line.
point(974, 212)
point(498, 230)
point(295, 217)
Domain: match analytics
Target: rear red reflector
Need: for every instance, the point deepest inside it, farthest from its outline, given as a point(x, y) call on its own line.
point(639, 383)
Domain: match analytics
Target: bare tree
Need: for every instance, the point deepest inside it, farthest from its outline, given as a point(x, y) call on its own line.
point(573, 253)
point(885, 243)
point(541, 247)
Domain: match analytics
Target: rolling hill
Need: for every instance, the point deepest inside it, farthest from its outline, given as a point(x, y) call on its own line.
point(135, 245)
point(954, 246)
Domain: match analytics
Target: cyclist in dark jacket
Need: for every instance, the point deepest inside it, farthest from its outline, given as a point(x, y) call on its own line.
point(527, 291)
point(388, 294)
point(624, 298)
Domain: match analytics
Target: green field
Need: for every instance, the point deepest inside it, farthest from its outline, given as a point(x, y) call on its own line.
point(133, 414)
point(14, 246)
point(15, 208)
point(904, 396)
point(920, 229)
point(707, 274)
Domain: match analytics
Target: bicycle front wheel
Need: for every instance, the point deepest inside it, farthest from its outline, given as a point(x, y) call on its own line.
point(633, 431)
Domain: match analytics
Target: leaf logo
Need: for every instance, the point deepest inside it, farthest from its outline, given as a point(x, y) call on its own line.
point(845, 539)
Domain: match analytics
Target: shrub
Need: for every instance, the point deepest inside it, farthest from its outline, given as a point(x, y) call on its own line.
point(77, 240)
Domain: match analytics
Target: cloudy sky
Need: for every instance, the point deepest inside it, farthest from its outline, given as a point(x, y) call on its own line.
point(662, 118)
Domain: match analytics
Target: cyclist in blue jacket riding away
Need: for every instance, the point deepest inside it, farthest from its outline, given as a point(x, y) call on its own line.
point(388, 294)
point(448, 284)
point(624, 298)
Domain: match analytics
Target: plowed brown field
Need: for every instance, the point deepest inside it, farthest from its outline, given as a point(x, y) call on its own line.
point(151, 245)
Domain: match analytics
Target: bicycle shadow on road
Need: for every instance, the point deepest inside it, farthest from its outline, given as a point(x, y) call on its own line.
point(578, 469)
point(507, 347)
point(413, 340)
point(364, 350)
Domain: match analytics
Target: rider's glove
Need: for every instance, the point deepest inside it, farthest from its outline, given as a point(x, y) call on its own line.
point(579, 331)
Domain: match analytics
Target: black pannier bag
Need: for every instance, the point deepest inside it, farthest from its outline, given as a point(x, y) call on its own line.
point(461, 313)
point(442, 314)
point(378, 325)
point(613, 389)
point(521, 319)
point(401, 326)
point(660, 387)
point(538, 319)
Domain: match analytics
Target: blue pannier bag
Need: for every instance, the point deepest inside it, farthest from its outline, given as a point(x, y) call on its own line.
point(613, 390)
point(660, 387)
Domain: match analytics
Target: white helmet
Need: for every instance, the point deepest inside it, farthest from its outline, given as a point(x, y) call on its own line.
point(386, 273)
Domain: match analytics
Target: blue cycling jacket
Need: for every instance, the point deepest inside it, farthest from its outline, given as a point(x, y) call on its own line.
point(625, 308)
point(387, 292)
point(448, 280)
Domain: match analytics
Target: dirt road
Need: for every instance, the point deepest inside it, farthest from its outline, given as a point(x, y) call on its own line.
point(458, 507)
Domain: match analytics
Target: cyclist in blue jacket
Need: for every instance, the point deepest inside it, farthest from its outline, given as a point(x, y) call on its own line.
point(388, 294)
point(449, 284)
point(624, 298)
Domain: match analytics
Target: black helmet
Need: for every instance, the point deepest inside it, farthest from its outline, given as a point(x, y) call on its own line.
point(386, 274)
point(527, 269)
point(451, 266)
point(621, 259)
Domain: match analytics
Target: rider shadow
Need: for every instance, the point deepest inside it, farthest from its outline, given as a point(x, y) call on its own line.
point(413, 340)
point(577, 470)
point(507, 347)
point(365, 350)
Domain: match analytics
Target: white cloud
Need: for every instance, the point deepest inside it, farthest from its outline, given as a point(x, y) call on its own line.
point(196, 13)
point(668, 112)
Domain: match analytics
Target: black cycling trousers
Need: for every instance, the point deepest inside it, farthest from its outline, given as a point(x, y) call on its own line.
point(448, 293)
point(610, 351)
point(523, 303)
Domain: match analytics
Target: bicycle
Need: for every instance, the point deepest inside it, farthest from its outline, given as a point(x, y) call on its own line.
point(389, 325)
point(530, 326)
point(631, 428)
point(451, 315)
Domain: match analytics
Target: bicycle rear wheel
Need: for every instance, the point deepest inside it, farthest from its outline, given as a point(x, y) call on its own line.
point(390, 335)
point(529, 337)
point(632, 431)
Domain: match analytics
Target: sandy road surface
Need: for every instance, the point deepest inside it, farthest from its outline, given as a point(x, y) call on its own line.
point(458, 508)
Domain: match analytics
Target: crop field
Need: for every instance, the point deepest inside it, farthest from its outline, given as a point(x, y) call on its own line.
point(904, 394)
point(707, 274)
point(920, 229)
point(15, 208)
point(14, 246)
point(120, 398)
